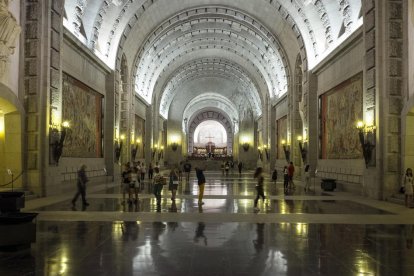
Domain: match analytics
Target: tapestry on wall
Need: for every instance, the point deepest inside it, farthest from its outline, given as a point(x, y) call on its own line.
point(140, 134)
point(281, 135)
point(341, 109)
point(82, 107)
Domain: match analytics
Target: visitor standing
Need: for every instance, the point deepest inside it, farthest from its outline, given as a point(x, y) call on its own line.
point(150, 171)
point(274, 176)
point(201, 183)
point(81, 185)
point(285, 179)
point(291, 172)
point(240, 167)
point(158, 185)
point(259, 187)
point(187, 170)
point(143, 170)
point(227, 168)
point(173, 183)
point(408, 187)
point(307, 178)
point(126, 181)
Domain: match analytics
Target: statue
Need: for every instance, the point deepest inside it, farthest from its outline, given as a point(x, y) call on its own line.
point(9, 30)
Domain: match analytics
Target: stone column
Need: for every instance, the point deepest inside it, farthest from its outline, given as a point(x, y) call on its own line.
point(311, 88)
point(384, 41)
point(42, 84)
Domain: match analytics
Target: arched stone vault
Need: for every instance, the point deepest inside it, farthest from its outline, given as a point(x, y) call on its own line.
point(209, 67)
point(318, 24)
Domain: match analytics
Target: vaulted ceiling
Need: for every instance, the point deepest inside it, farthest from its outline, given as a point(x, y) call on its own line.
point(174, 45)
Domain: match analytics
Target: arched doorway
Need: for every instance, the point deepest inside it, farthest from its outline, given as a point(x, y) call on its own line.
point(11, 169)
point(210, 132)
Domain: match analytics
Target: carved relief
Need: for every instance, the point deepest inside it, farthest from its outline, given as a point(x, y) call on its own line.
point(9, 30)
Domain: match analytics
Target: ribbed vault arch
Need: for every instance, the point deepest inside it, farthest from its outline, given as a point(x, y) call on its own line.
point(212, 67)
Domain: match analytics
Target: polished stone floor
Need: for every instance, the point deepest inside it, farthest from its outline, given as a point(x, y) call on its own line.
point(298, 233)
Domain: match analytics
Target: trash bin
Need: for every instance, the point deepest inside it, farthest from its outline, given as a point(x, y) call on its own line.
point(328, 184)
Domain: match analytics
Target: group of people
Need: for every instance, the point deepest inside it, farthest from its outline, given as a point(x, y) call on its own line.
point(135, 173)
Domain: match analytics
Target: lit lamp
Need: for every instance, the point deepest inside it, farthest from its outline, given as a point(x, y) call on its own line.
point(259, 149)
point(266, 151)
point(366, 135)
point(174, 144)
point(135, 149)
point(154, 151)
point(57, 139)
point(303, 148)
point(118, 147)
point(286, 150)
point(161, 153)
point(245, 145)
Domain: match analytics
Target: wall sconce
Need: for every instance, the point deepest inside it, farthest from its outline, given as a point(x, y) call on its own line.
point(154, 151)
point(135, 149)
point(57, 139)
point(366, 135)
point(266, 151)
point(118, 147)
point(303, 148)
point(259, 149)
point(246, 146)
point(161, 153)
point(286, 150)
point(174, 146)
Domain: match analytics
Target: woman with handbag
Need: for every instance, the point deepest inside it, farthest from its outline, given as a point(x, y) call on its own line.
point(408, 187)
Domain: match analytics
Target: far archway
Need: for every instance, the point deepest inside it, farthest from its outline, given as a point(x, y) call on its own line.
point(204, 145)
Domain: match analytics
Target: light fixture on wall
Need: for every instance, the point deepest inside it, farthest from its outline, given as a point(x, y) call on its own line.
point(134, 149)
point(174, 146)
point(245, 144)
point(174, 143)
point(154, 151)
point(266, 149)
point(260, 151)
point(303, 147)
point(57, 138)
point(119, 143)
point(286, 150)
point(366, 133)
point(161, 153)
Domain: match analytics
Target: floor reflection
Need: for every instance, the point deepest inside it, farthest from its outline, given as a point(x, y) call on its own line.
point(224, 205)
point(174, 248)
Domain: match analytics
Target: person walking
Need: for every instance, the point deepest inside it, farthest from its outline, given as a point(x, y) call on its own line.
point(81, 185)
point(408, 187)
point(227, 168)
point(259, 187)
point(201, 179)
point(240, 167)
point(173, 183)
